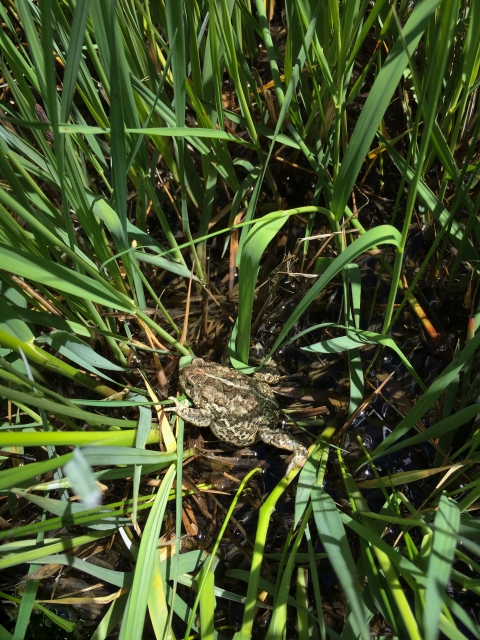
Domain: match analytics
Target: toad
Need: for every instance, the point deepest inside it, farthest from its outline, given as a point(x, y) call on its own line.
point(239, 409)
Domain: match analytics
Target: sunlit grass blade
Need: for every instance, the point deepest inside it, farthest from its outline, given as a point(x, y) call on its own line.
point(83, 484)
point(133, 622)
point(332, 534)
point(445, 537)
point(10, 559)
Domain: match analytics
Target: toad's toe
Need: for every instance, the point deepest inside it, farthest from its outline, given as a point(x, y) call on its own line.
point(299, 459)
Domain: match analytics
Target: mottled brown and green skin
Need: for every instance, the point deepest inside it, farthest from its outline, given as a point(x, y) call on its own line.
point(239, 409)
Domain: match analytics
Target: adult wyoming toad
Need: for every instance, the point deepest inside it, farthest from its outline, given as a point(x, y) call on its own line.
point(239, 409)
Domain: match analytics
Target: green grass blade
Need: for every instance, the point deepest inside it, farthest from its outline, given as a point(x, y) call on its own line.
point(257, 239)
point(65, 544)
point(73, 59)
point(333, 537)
point(59, 277)
point(79, 472)
point(133, 621)
point(445, 537)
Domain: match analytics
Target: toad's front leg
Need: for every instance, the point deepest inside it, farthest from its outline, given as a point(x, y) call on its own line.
point(197, 417)
point(284, 440)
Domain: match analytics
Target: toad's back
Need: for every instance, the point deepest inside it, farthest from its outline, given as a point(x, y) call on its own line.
point(239, 405)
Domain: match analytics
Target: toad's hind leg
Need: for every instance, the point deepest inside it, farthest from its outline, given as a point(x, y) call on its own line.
point(284, 440)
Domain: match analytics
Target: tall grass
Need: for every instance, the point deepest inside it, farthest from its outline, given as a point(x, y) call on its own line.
point(119, 118)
